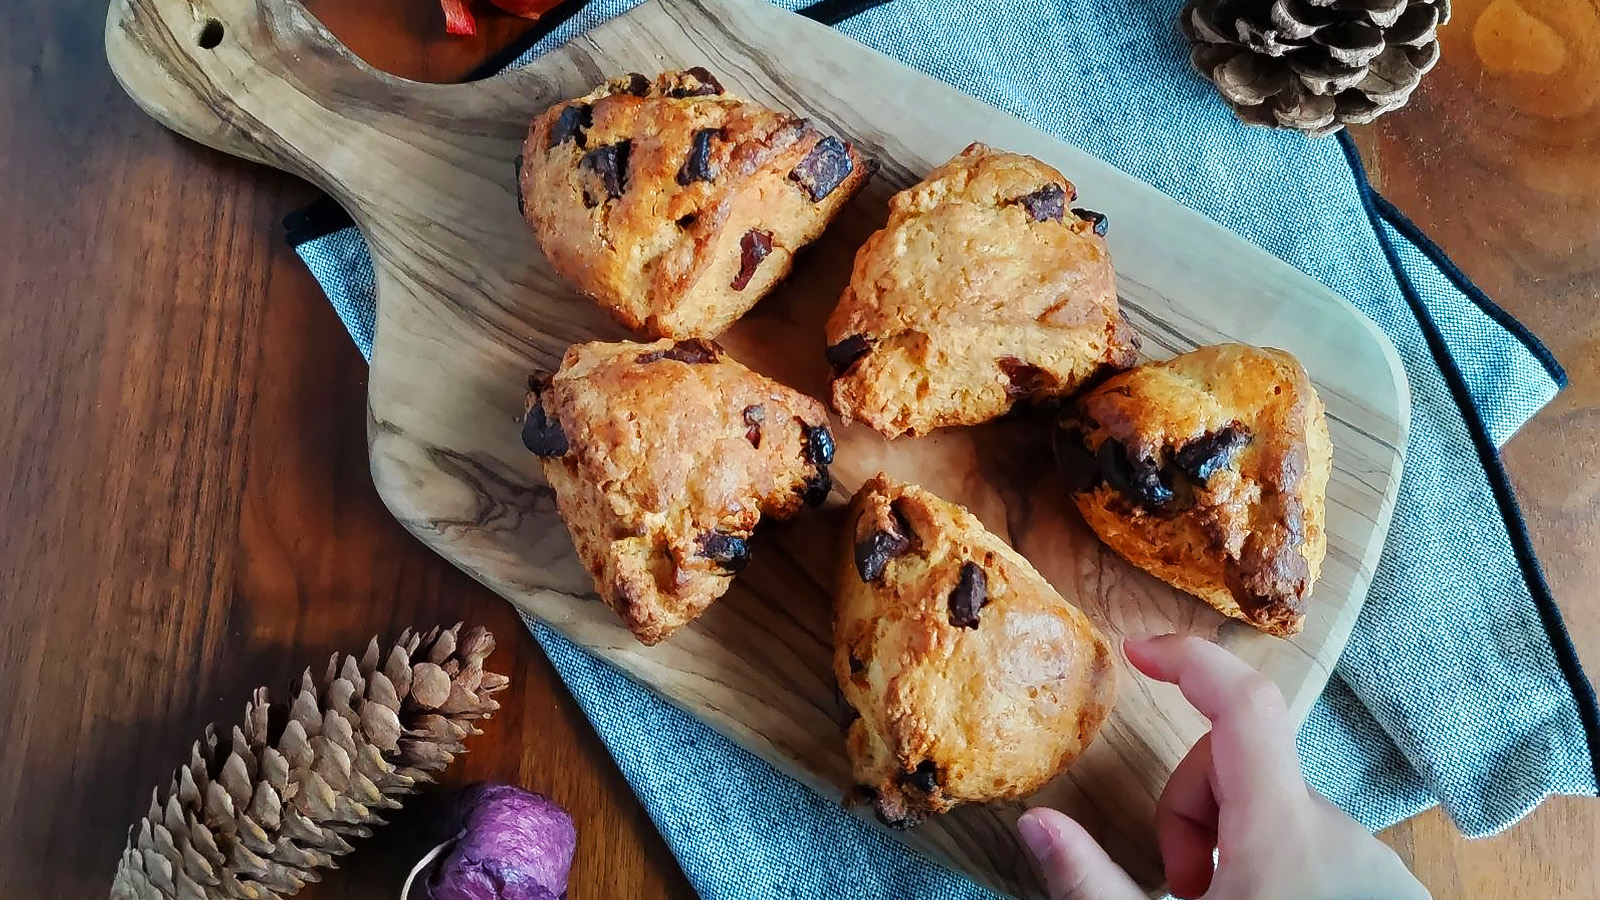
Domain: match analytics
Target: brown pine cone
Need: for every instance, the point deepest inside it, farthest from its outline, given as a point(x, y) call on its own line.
point(256, 813)
point(1314, 65)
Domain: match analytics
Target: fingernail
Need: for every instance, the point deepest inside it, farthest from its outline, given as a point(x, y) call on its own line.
point(1036, 835)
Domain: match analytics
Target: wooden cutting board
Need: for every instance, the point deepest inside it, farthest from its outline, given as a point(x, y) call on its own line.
point(467, 307)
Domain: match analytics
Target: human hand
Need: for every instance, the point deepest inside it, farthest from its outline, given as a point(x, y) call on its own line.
point(1239, 792)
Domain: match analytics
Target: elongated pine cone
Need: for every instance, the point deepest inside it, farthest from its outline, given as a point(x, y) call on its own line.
point(1314, 65)
point(255, 814)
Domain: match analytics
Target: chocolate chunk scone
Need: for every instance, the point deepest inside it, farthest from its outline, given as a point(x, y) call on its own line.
point(676, 204)
point(971, 678)
point(663, 457)
point(985, 288)
point(1210, 472)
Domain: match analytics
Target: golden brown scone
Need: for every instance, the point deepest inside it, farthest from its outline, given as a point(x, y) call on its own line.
point(1210, 472)
point(675, 204)
point(982, 290)
point(972, 678)
point(663, 457)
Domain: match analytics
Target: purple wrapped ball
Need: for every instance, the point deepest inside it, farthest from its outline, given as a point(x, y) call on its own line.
point(514, 845)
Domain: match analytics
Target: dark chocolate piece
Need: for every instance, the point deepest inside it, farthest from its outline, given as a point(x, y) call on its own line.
point(727, 550)
point(1023, 378)
point(570, 125)
point(824, 168)
point(843, 355)
point(707, 87)
point(1047, 203)
point(610, 163)
point(753, 248)
point(754, 415)
point(542, 434)
point(818, 487)
point(691, 351)
point(1101, 223)
point(697, 167)
point(1137, 479)
point(924, 778)
point(970, 594)
point(819, 444)
point(522, 206)
point(638, 85)
point(874, 551)
point(1207, 454)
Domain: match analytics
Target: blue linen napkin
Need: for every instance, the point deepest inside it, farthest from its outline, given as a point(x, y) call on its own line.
point(1459, 686)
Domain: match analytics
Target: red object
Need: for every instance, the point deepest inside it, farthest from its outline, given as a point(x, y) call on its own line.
point(457, 18)
point(528, 9)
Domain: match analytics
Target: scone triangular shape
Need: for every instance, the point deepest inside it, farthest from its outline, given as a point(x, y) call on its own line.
point(663, 457)
point(971, 678)
point(676, 204)
point(1210, 472)
point(984, 289)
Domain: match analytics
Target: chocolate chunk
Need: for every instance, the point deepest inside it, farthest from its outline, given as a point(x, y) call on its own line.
point(708, 84)
point(1047, 202)
point(924, 778)
point(522, 206)
point(1077, 464)
point(691, 351)
point(824, 168)
point(1137, 479)
point(753, 248)
point(610, 163)
point(1101, 223)
point(753, 417)
point(1024, 379)
point(687, 222)
point(727, 550)
point(542, 434)
point(857, 666)
point(818, 487)
point(819, 444)
point(970, 594)
point(903, 822)
point(843, 355)
point(638, 85)
point(570, 125)
point(1207, 454)
point(874, 551)
point(697, 167)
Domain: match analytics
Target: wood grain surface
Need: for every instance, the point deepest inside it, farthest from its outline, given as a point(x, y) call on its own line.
point(467, 307)
point(146, 585)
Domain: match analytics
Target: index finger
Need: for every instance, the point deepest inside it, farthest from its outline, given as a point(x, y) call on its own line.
point(1253, 754)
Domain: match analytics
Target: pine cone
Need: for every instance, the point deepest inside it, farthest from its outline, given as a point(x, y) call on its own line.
point(254, 815)
point(1314, 65)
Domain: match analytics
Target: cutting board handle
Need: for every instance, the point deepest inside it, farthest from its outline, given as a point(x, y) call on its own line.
point(238, 75)
point(264, 80)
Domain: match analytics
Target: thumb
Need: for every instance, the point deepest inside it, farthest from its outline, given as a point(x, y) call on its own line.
point(1074, 865)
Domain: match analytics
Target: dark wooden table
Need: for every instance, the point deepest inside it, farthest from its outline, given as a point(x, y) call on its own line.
point(185, 509)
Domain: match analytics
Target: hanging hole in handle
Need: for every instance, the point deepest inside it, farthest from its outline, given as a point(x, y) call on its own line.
point(210, 35)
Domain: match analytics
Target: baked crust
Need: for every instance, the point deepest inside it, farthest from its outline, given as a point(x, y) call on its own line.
point(676, 204)
point(973, 680)
point(984, 289)
point(1249, 537)
point(663, 457)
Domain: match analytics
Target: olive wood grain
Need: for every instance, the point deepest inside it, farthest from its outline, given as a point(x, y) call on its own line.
point(468, 306)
